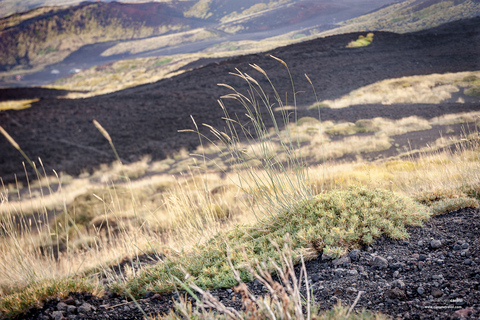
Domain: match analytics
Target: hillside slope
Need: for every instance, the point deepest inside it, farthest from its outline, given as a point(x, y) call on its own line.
point(145, 119)
point(411, 16)
point(48, 36)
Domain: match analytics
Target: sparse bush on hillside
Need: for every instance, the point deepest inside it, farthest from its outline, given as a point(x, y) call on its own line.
point(443, 201)
point(362, 41)
point(453, 204)
point(474, 92)
point(285, 299)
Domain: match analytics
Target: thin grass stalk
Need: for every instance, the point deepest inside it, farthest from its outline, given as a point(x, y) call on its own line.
point(280, 198)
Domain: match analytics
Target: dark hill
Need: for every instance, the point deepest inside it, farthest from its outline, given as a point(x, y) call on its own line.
point(145, 119)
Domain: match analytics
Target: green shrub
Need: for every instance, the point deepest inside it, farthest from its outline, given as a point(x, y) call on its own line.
point(442, 201)
point(343, 219)
point(430, 197)
point(341, 129)
point(19, 302)
point(305, 120)
point(471, 78)
point(449, 205)
point(474, 92)
point(362, 41)
point(366, 125)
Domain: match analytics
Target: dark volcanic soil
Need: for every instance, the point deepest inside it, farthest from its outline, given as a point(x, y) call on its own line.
point(435, 274)
point(145, 119)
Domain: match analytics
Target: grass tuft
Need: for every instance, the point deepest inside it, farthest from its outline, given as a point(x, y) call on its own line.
point(22, 300)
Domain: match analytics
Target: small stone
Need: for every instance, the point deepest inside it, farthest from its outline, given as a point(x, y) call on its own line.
point(395, 293)
point(437, 293)
point(62, 306)
point(353, 272)
point(339, 272)
point(396, 265)
point(71, 309)
point(57, 315)
point(354, 255)
point(464, 313)
point(327, 256)
point(84, 308)
point(148, 295)
point(316, 277)
point(341, 261)
point(420, 290)
point(435, 244)
point(457, 247)
point(70, 301)
point(379, 262)
point(229, 290)
point(422, 257)
point(396, 274)
point(72, 317)
point(464, 245)
point(398, 284)
point(459, 302)
point(126, 309)
point(438, 277)
point(415, 256)
point(156, 296)
point(468, 262)
point(420, 243)
point(351, 290)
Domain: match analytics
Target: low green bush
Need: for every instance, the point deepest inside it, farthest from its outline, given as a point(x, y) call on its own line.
point(343, 219)
point(474, 92)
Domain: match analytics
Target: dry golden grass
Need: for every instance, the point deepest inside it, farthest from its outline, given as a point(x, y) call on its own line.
point(429, 89)
point(155, 43)
point(17, 104)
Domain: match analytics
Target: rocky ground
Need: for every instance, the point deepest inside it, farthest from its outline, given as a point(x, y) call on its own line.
point(435, 274)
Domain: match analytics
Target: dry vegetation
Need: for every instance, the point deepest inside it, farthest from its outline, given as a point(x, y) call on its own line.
point(134, 72)
point(16, 104)
point(409, 16)
point(428, 89)
point(56, 230)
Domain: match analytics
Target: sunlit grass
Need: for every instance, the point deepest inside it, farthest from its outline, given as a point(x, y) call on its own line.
point(16, 104)
point(427, 89)
point(245, 184)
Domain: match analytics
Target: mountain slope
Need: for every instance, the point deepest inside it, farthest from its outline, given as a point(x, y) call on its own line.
point(145, 119)
point(411, 16)
point(48, 36)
